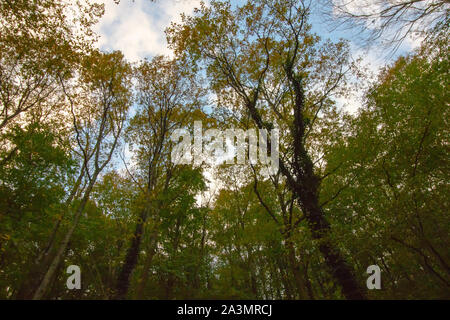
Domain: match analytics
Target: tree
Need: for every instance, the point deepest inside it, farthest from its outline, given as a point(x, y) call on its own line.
point(392, 21)
point(352, 190)
point(167, 93)
point(285, 56)
point(39, 42)
point(97, 126)
point(32, 187)
point(395, 156)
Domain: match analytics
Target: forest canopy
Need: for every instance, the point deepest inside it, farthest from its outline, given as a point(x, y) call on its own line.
point(88, 176)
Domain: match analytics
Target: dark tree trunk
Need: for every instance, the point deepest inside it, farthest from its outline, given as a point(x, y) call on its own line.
point(304, 184)
point(123, 280)
point(147, 264)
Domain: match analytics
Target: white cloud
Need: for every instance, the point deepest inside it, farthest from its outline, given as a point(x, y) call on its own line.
point(137, 27)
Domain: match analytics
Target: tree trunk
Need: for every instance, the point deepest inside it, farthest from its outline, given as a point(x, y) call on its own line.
point(40, 264)
point(304, 184)
point(123, 281)
point(39, 294)
point(147, 264)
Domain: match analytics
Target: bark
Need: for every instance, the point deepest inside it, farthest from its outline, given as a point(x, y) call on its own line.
point(41, 263)
point(148, 262)
point(304, 184)
point(131, 259)
point(123, 281)
point(40, 292)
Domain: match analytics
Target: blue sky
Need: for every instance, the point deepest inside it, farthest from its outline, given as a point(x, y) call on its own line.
point(137, 29)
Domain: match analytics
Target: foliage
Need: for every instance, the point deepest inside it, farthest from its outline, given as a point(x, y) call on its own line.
point(86, 174)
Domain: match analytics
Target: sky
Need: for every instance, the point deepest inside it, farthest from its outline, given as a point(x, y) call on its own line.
point(137, 29)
